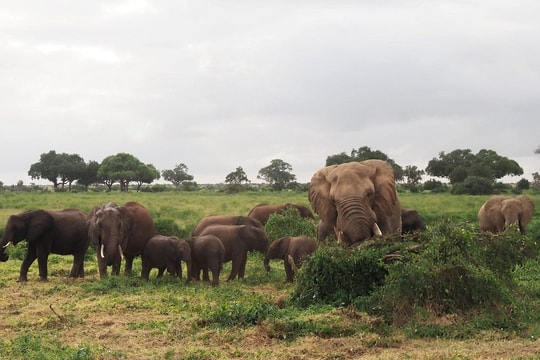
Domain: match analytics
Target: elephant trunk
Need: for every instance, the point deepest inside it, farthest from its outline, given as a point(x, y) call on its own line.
point(356, 221)
point(267, 262)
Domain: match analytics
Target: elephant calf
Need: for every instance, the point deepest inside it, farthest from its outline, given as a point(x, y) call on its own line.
point(238, 240)
point(166, 252)
point(224, 220)
point(293, 251)
point(411, 221)
point(207, 253)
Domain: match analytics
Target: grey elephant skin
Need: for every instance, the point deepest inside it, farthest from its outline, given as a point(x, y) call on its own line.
point(166, 252)
point(290, 248)
point(238, 240)
point(499, 212)
point(224, 220)
point(207, 253)
point(262, 212)
point(356, 201)
point(48, 232)
point(119, 231)
point(411, 221)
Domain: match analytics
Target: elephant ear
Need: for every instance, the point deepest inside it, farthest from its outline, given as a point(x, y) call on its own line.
point(39, 222)
point(385, 201)
point(126, 223)
point(319, 195)
point(282, 245)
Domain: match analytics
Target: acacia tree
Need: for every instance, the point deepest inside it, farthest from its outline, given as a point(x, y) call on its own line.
point(178, 175)
point(124, 168)
point(145, 174)
point(60, 169)
point(365, 153)
point(237, 177)
point(463, 167)
point(89, 175)
point(413, 177)
point(46, 168)
point(277, 174)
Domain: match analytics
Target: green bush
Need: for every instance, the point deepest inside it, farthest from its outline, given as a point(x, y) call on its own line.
point(290, 223)
point(336, 276)
point(474, 185)
point(169, 227)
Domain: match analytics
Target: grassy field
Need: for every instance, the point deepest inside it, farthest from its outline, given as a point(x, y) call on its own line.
point(125, 317)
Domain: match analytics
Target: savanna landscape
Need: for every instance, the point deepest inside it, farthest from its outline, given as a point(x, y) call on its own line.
point(264, 317)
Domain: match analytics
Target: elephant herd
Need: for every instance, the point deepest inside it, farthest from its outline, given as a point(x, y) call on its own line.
point(354, 201)
point(123, 232)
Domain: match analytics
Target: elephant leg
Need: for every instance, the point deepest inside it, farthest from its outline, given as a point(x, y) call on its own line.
point(288, 270)
point(129, 265)
point(145, 271)
point(242, 268)
point(235, 269)
point(27, 261)
point(42, 257)
point(77, 270)
point(205, 276)
point(215, 277)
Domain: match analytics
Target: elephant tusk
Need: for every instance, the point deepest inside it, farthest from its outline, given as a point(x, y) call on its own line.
point(340, 237)
point(121, 253)
point(5, 246)
point(376, 230)
point(102, 251)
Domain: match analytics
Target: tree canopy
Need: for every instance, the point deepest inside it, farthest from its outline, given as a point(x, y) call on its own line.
point(461, 164)
point(237, 177)
point(178, 175)
point(60, 169)
point(277, 174)
point(125, 168)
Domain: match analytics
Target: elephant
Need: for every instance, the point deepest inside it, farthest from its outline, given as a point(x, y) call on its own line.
point(356, 200)
point(207, 253)
point(499, 212)
point(293, 250)
point(224, 220)
point(60, 232)
point(119, 231)
point(238, 240)
point(262, 212)
point(166, 252)
point(411, 221)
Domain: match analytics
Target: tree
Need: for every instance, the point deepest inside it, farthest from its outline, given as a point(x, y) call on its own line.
point(237, 177)
point(60, 169)
point(461, 164)
point(89, 175)
point(46, 168)
point(121, 168)
point(145, 174)
point(277, 174)
point(177, 175)
point(365, 153)
point(413, 176)
point(537, 151)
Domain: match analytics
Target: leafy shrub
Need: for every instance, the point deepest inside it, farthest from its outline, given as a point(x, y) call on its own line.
point(238, 313)
point(456, 271)
point(289, 223)
point(435, 186)
point(170, 228)
point(474, 185)
point(336, 276)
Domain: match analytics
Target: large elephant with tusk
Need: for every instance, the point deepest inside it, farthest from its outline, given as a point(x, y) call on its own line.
point(117, 232)
point(356, 201)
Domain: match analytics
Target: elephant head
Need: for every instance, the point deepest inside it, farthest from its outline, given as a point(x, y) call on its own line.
point(358, 200)
point(277, 250)
point(27, 225)
point(183, 253)
point(111, 227)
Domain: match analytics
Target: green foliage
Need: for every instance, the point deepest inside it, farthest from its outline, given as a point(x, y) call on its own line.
point(435, 186)
point(456, 271)
point(169, 227)
point(334, 275)
point(277, 174)
point(289, 223)
point(34, 346)
point(240, 313)
point(474, 185)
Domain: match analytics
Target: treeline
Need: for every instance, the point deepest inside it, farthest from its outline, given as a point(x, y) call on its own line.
point(461, 172)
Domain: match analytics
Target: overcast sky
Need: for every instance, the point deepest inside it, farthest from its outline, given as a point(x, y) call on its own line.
point(221, 84)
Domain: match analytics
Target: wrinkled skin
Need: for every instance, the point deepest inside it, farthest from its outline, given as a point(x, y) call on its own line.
point(262, 212)
point(224, 220)
point(499, 212)
point(166, 252)
point(238, 240)
point(411, 221)
point(356, 201)
point(119, 231)
point(287, 248)
point(207, 253)
point(47, 232)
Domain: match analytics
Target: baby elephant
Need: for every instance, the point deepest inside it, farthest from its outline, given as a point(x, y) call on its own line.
point(207, 253)
point(293, 251)
point(166, 252)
